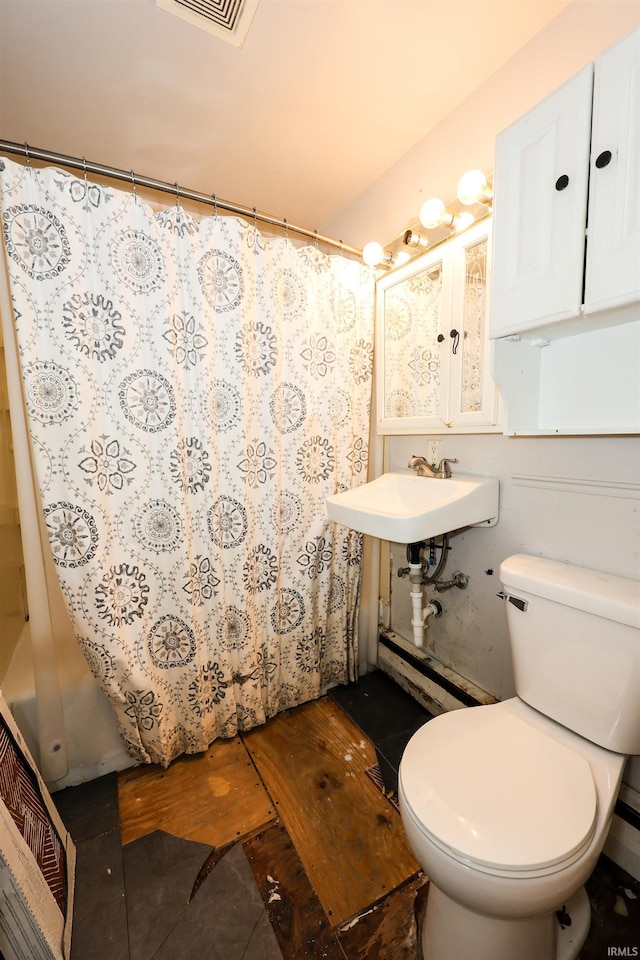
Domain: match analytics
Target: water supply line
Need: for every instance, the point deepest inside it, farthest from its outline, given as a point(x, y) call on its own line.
point(458, 579)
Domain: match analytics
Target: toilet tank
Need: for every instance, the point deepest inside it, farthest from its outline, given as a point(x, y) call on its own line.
point(575, 643)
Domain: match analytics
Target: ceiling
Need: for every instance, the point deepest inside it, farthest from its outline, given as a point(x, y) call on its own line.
point(322, 99)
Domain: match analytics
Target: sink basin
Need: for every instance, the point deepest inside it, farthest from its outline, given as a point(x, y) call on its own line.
point(405, 508)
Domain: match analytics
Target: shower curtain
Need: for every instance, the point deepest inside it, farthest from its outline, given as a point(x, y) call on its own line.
point(194, 391)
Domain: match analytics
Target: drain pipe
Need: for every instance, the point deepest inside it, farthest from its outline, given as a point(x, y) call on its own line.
point(420, 614)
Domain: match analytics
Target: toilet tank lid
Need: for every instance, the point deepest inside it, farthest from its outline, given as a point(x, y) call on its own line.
point(601, 594)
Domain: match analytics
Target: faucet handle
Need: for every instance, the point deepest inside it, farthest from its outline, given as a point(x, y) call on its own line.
point(444, 470)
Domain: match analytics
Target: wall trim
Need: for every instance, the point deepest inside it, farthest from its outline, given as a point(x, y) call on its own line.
point(462, 696)
point(628, 814)
point(600, 488)
point(628, 806)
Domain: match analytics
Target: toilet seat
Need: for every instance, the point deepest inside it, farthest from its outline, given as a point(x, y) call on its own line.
point(497, 793)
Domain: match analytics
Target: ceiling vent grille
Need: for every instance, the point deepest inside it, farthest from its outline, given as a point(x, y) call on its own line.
point(226, 19)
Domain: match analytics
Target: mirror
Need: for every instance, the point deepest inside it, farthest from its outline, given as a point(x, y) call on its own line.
point(432, 363)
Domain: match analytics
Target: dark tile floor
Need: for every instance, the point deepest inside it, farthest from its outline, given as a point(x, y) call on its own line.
point(386, 714)
point(151, 900)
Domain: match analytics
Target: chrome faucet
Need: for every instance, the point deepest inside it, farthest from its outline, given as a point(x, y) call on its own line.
point(424, 469)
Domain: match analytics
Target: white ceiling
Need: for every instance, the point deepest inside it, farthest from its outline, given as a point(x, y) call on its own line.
point(323, 98)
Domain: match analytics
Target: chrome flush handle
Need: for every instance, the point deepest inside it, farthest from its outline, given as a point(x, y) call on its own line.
point(516, 601)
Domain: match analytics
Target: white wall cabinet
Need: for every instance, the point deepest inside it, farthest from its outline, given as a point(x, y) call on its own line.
point(432, 348)
point(565, 313)
point(612, 276)
point(540, 211)
point(571, 162)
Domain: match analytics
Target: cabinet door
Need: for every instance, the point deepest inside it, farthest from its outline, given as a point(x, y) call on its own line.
point(432, 351)
point(410, 350)
point(613, 241)
point(473, 396)
point(540, 207)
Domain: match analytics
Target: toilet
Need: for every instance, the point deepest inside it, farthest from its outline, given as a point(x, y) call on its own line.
point(507, 807)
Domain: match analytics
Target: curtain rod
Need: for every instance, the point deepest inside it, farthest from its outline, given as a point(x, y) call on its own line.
point(34, 153)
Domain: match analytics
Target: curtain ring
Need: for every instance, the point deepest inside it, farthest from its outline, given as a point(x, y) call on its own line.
point(26, 153)
point(215, 205)
point(286, 228)
point(177, 195)
point(84, 167)
point(341, 249)
point(255, 229)
point(316, 240)
point(133, 186)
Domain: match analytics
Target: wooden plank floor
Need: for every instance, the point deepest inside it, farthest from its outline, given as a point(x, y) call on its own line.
point(212, 797)
point(348, 837)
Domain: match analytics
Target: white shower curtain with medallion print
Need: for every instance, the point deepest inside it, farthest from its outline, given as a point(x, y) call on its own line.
point(194, 391)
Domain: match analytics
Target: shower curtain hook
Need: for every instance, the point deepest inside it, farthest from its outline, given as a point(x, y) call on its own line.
point(26, 153)
point(341, 249)
point(316, 240)
point(286, 228)
point(255, 229)
point(84, 167)
point(215, 205)
point(177, 195)
point(133, 186)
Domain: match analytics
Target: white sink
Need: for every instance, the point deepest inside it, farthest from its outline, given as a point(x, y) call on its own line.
point(405, 508)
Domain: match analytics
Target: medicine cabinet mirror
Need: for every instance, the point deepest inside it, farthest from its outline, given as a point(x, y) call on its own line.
point(432, 347)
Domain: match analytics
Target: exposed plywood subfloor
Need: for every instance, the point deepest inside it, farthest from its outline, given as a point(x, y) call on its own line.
point(309, 773)
point(212, 797)
point(348, 837)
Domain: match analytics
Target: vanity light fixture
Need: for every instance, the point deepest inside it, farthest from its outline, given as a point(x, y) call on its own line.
point(473, 188)
point(440, 221)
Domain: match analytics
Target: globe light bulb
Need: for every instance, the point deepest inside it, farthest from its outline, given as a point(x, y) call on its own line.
point(473, 188)
point(372, 253)
point(433, 213)
point(462, 221)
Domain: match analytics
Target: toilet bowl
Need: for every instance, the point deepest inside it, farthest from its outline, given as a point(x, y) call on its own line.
point(505, 807)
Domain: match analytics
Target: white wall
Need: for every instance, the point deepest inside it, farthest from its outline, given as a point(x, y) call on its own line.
point(573, 499)
point(594, 524)
point(465, 139)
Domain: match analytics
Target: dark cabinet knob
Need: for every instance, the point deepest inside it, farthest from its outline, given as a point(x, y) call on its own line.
point(604, 159)
point(562, 182)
